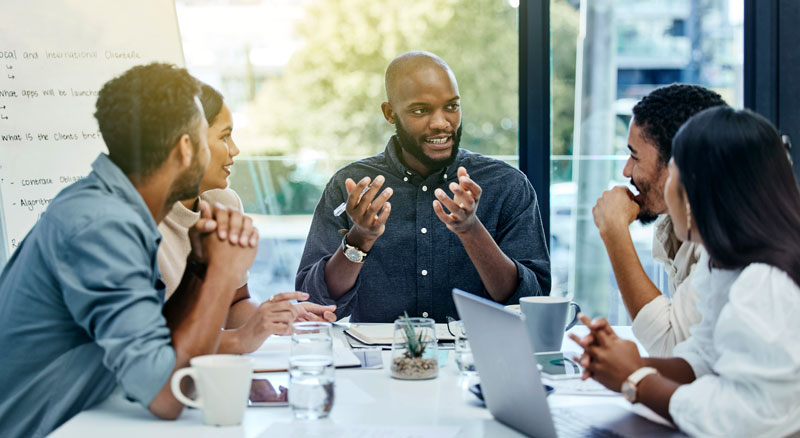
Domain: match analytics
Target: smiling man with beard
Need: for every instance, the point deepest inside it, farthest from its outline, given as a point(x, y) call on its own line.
point(658, 323)
point(444, 227)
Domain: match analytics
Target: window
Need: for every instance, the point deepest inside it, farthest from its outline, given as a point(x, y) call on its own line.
point(606, 55)
point(304, 80)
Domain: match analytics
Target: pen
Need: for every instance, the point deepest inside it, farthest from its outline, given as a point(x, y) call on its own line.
point(340, 209)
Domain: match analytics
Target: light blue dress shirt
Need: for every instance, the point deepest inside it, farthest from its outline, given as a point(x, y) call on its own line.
point(80, 307)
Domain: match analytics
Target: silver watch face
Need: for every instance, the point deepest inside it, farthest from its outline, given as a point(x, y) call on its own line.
point(628, 391)
point(353, 255)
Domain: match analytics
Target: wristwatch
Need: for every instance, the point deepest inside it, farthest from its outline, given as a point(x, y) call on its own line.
point(353, 253)
point(629, 386)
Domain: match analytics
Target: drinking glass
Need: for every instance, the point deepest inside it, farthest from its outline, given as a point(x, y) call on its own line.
point(311, 371)
point(464, 359)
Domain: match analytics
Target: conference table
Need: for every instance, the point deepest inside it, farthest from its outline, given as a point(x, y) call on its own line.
point(367, 402)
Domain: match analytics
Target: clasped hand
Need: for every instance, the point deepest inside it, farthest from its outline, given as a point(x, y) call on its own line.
point(462, 206)
point(606, 357)
point(234, 242)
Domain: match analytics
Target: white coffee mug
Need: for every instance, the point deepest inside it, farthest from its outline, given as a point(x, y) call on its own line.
point(222, 382)
point(546, 319)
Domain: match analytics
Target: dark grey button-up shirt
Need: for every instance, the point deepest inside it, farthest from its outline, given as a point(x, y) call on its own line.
point(80, 307)
point(416, 263)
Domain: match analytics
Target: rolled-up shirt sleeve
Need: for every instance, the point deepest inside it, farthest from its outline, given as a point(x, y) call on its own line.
point(520, 235)
point(662, 324)
point(324, 239)
point(753, 387)
point(106, 275)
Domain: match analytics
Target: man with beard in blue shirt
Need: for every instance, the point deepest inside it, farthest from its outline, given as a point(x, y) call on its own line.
point(382, 258)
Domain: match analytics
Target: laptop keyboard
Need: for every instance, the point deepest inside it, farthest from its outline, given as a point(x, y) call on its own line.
point(570, 423)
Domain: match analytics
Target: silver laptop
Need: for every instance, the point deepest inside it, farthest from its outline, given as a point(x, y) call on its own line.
point(512, 386)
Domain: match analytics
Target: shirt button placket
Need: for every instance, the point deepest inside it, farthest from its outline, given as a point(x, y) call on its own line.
point(424, 213)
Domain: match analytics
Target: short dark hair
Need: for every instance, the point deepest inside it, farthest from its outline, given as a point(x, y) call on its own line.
point(662, 112)
point(741, 189)
point(211, 99)
point(144, 112)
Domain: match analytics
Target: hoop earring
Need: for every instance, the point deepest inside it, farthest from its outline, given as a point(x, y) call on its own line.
point(688, 222)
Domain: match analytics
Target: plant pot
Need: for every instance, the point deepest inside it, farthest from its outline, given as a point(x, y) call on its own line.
point(405, 368)
point(418, 359)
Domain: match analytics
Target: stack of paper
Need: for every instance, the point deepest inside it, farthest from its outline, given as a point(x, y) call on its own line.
point(579, 387)
point(383, 334)
point(273, 355)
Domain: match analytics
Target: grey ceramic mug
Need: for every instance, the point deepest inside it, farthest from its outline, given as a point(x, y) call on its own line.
point(546, 318)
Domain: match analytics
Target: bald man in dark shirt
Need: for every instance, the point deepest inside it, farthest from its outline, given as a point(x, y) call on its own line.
point(484, 236)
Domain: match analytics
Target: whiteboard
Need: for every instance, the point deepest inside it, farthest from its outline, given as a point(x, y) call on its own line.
point(55, 55)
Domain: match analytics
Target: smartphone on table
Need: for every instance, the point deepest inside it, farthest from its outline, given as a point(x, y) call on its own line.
point(558, 366)
point(268, 392)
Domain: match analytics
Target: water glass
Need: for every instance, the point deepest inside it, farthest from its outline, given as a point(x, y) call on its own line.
point(311, 370)
point(464, 359)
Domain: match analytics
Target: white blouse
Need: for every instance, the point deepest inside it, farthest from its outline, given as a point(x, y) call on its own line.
point(745, 354)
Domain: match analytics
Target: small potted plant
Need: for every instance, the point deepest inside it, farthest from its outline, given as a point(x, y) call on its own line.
point(414, 349)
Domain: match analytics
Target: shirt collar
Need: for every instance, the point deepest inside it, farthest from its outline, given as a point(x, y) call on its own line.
point(393, 153)
point(665, 243)
point(120, 185)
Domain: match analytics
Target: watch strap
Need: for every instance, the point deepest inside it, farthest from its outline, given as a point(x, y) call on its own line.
point(640, 374)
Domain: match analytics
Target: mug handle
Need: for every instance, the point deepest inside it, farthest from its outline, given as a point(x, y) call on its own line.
point(175, 385)
point(575, 317)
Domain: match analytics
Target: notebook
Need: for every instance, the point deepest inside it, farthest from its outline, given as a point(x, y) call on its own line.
point(382, 334)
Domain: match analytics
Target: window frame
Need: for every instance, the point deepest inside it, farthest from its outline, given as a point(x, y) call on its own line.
point(534, 101)
point(771, 56)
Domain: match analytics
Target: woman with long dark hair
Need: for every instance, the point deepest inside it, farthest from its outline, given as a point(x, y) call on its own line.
point(732, 189)
point(249, 323)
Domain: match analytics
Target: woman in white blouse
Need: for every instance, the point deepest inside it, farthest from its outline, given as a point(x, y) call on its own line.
point(249, 323)
point(732, 189)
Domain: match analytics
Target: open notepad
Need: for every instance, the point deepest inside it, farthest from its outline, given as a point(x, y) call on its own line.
point(382, 334)
point(273, 355)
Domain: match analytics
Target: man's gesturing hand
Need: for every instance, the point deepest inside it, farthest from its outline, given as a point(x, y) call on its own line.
point(462, 206)
point(368, 212)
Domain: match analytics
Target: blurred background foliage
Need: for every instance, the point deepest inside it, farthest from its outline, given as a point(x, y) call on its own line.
point(328, 97)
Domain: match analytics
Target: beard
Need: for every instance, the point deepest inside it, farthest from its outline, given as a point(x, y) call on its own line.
point(187, 185)
point(414, 147)
point(646, 214)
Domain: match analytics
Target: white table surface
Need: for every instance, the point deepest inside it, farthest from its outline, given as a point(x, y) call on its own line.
point(362, 398)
